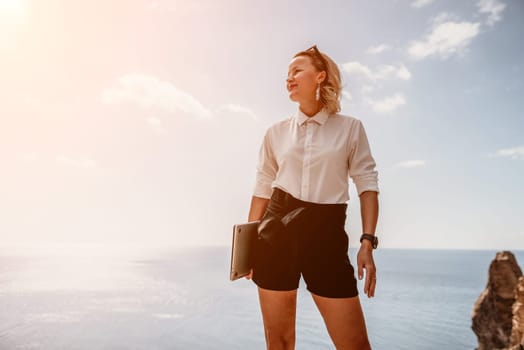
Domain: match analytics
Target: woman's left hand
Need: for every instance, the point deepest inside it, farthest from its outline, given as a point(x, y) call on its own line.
point(365, 261)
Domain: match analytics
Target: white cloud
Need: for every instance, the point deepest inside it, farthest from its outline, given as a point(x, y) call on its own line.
point(357, 68)
point(234, 108)
point(378, 49)
point(182, 7)
point(366, 89)
point(32, 101)
point(421, 3)
point(375, 77)
point(149, 93)
point(513, 153)
point(401, 72)
point(168, 316)
point(446, 38)
point(79, 163)
point(388, 104)
point(381, 73)
point(493, 8)
point(411, 163)
point(153, 5)
point(347, 95)
point(444, 17)
point(30, 157)
point(156, 124)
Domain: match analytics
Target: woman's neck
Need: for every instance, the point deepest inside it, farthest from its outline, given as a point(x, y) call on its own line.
point(310, 108)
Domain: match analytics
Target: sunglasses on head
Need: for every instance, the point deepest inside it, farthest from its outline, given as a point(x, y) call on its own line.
point(317, 53)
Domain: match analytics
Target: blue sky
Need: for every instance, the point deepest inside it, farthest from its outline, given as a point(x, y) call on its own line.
point(140, 122)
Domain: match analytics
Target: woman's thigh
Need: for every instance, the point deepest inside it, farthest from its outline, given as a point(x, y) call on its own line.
point(279, 314)
point(345, 322)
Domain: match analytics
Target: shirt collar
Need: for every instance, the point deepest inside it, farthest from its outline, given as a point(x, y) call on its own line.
point(320, 117)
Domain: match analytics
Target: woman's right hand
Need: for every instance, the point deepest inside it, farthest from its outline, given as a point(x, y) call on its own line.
point(256, 212)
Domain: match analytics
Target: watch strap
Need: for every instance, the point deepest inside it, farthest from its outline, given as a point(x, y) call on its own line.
point(372, 238)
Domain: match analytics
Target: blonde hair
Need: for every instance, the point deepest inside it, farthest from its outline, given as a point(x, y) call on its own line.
point(331, 87)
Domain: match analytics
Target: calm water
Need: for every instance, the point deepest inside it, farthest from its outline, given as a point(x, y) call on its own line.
point(182, 299)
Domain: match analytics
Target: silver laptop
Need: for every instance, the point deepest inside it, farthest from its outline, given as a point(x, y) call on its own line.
point(243, 249)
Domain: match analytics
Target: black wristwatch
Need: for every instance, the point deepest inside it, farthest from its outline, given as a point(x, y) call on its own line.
point(369, 237)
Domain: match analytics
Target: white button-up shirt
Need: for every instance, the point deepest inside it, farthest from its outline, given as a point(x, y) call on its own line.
point(312, 158)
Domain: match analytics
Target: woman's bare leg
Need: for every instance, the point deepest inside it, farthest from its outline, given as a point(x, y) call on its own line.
point(279, 315)
point(345, 322)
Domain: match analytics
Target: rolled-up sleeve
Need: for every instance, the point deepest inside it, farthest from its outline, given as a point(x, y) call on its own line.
point(361, 163)
point(266, 169)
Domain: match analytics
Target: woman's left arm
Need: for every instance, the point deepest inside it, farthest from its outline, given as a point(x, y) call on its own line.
point(369, 214)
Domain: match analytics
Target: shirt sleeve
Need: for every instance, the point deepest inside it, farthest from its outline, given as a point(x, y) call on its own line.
point(266, 169)
point(361, 163)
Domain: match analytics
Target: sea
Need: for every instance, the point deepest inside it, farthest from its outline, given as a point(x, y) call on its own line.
point(98, 297)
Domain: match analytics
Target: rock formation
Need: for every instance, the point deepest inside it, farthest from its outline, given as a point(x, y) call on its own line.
point(493, 310)
point(517, 330)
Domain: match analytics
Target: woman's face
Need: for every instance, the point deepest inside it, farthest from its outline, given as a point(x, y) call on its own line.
point(302, 79)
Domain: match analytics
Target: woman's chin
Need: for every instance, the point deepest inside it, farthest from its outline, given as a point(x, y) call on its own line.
point(293, 97)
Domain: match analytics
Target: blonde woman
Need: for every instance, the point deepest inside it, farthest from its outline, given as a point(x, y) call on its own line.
point(300, 196)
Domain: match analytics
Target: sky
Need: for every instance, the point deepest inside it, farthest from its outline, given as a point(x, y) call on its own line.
point(138, 122)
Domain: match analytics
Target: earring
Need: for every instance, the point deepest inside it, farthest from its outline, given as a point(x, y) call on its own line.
point(317, 94)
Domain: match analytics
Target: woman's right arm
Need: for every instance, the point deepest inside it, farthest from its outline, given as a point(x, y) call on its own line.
point(266, 171)
point(257, 208)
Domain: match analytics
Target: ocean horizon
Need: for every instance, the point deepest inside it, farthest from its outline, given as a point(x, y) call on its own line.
point(97, 297)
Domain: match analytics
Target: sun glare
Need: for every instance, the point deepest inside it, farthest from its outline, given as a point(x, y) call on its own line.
point(12, 19)
point(12, 12)
point(15, 6)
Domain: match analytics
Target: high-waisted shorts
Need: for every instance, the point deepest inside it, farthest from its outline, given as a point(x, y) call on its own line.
point(314, 245)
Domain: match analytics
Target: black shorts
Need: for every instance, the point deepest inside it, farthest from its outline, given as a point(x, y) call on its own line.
point(314, 244)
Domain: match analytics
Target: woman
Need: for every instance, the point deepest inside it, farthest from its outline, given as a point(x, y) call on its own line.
point(300, 197)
